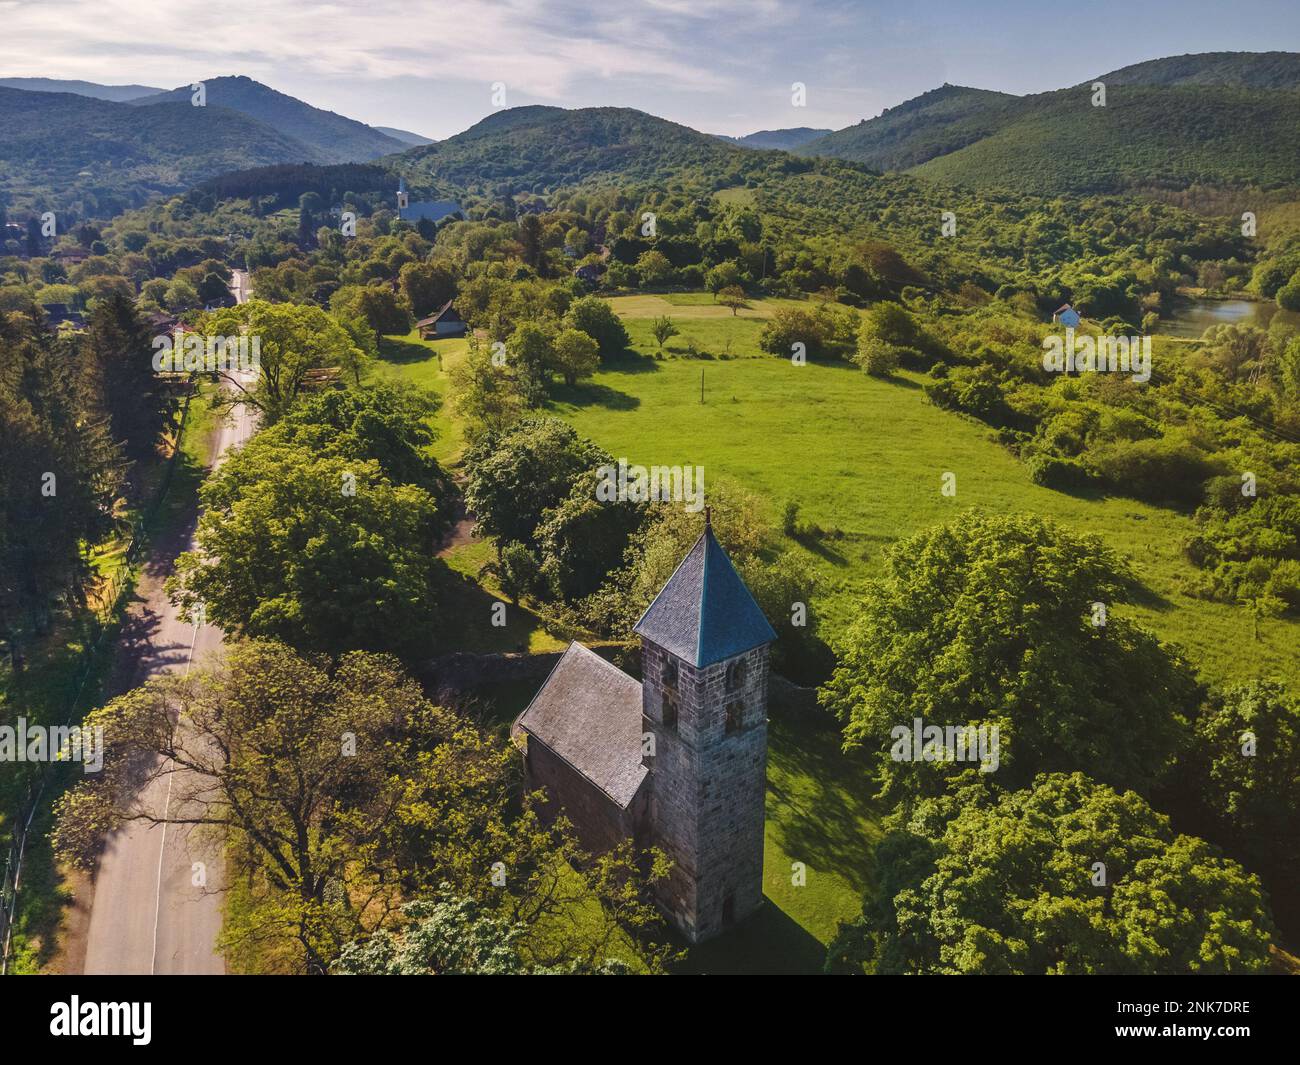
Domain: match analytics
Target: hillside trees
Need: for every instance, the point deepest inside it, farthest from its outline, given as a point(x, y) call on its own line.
point(1065, 876)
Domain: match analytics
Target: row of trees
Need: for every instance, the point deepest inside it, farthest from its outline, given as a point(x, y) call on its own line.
point(78, 414)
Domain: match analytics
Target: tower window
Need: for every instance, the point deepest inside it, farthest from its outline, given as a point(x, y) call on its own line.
point(669, 673)
point(736, 675)
point(735, 715)
point(670, 713)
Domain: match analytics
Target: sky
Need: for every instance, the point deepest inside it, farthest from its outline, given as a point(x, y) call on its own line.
point(722, 66)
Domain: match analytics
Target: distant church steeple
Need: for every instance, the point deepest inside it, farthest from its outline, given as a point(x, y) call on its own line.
point(403, 198)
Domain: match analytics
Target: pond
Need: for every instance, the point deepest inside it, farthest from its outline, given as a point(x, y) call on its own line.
point(1192, 317)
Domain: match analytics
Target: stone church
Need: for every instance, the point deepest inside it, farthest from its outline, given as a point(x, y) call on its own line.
point(678, 761)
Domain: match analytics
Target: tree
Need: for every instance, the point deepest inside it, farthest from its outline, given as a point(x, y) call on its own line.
point(877, 357)
point(1244, 775)
point(1009, 623)
point(662, 329)
point(825, 331)
point(593, 316)
point(519, 473)
point(292, 339)
point(381, 423)
point(120, 349)
point(449, 935)
point(427, 286)
point(320, 551)
point(1066, 876)
point(583, 539)
point(653, 267)
point(531, 356)
point(377, 304)
point(484, 393)
point(732, 296)
point(574, 354)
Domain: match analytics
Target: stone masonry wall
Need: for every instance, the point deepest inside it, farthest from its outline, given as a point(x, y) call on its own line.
point(708, 789)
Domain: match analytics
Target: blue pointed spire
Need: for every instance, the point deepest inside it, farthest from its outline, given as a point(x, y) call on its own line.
point(705, 614)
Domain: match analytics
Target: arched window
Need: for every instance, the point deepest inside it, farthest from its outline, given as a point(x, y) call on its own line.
point(670, 713)
point(736, 675)
point(668, 674)
point(735, 716)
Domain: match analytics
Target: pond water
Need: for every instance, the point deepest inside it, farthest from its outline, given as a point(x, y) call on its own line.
point(1192, 317)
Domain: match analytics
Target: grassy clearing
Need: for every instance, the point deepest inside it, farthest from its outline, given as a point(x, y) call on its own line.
point(426, 364)
point(865, 458)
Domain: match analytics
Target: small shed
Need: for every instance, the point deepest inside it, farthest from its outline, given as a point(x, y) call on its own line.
point(444, 322)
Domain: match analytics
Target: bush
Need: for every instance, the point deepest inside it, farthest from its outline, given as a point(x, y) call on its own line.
point(877, 357)
point(1058, 473)
point(790, 518)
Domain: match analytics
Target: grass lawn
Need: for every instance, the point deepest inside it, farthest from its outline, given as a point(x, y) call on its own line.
point(866, 457)
point(408, 359)
point(862, 457)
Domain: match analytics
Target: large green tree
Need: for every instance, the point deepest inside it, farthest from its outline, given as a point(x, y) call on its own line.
point(321, 551)
point(1066, 876)
point(516, 475)
point(1009, 622)
point(292, 339)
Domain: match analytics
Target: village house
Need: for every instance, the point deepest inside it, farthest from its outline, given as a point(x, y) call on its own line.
point(678, 760)
point(444, 322)
point(1067, 316)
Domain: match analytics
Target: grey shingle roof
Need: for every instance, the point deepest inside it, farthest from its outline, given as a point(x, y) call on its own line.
point(589, 713)
point(705, 613)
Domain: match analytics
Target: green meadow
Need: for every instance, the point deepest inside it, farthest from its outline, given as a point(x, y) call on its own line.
point(864, 458)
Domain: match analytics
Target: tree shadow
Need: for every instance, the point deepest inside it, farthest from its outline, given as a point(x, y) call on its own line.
point(901, 382)
point(397, 350)
point(816, 543)
point(589, 394)
point(830, 821)
point(630, 361)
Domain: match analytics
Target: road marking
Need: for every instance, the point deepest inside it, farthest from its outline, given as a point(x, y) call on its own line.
point(162, 847)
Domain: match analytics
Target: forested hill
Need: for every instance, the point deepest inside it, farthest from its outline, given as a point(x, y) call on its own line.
point(1222, 120)
point(93, 157)
point(1144, 138)
point(537, 149)
point(334, 138)
point(1233, 70)
point(935, 123)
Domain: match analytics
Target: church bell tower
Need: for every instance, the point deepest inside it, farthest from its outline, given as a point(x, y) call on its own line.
point(704, 655)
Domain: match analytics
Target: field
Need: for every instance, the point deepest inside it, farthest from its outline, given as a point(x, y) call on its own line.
point(864, 459)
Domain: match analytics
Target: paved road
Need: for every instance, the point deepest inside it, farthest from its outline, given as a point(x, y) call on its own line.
point(148, 916)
